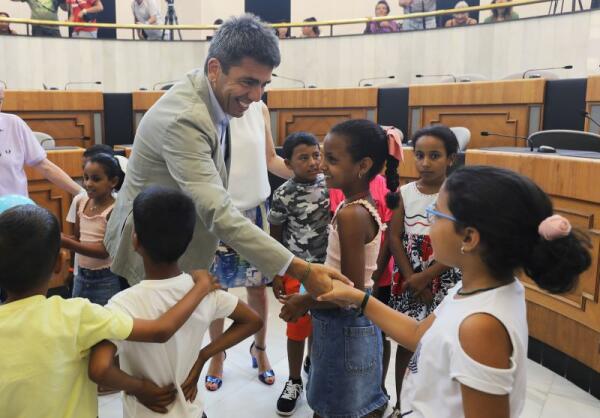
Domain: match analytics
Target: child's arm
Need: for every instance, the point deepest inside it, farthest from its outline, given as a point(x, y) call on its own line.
point(396, 245)
point(485, 340)
point(245, 323)
point(277, 233)
point(103, 370)
point(403, 329)
point(383, 259)
point(352, 229)
point(161, 329)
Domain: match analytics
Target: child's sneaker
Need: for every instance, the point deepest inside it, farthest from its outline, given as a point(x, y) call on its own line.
point(287, 402)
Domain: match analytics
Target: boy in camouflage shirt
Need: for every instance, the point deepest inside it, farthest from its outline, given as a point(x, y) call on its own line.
point(299, 218)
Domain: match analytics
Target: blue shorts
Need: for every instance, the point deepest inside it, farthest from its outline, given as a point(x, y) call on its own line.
point(96, 285)
point(346, 365)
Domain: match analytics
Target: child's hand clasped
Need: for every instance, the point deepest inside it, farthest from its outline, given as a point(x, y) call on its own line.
point(294, 307)
point(155, 398)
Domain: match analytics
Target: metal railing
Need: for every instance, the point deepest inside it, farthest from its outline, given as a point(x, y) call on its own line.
point(330, 23)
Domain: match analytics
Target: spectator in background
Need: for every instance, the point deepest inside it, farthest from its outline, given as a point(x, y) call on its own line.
point(460, 18)
point(283, 33)
point(146, 12)
point(216, 22)
point(5, 26)
point(418, 6)
point(83, 11)
point(382, 8)
point(45, 10)
point(310, 31)
point(499, 15)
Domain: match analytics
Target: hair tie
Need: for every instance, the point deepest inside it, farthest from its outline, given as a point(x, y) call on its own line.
point(394, 137)
point(554, 227)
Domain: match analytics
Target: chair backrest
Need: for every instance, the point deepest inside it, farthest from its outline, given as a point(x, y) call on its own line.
point(463, 135)
point(565, 139)
point(45, 140)
point(545, 74)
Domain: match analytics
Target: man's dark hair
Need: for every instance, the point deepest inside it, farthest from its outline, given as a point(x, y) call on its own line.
point(244, 37)
point(164, 219)
point(295, 139)
point(29, 246)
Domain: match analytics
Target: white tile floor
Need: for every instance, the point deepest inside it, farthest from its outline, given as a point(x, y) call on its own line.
point(242, 395)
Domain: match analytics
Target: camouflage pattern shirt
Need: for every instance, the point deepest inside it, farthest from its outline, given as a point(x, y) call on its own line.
point(302, 209)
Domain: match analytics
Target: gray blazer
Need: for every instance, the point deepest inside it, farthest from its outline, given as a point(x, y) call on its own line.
point(176, 145)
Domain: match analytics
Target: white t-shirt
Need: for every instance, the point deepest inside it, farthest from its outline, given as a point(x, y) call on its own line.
point(143, 12)
point(18, 147)
point(172, 361)
point(248, 176)
point(431, 387)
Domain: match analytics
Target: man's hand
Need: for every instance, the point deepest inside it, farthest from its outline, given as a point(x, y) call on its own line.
point(205, 280)
point(155, 398)
point(294, 307)
point(319, 277)
point(278, 288)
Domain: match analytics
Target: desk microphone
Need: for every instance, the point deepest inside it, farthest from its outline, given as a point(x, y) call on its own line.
point(566, 67)
point(48, 88)
point(589, 117)
point(291, 79)
point(374, 78)
point(527, 140)
point(72, 83)
point(436, 75)
point(4, 84)
point(164, 83)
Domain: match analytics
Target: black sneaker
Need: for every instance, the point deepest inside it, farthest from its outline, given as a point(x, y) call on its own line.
point(307, 365)
point(287, 402)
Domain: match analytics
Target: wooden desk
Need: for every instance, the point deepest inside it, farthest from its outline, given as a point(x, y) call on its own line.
point(141, 102)
point(317, 110)
point(592, 103)
point(571, 322)
point(506, 107)
point(126, 148)
point(72, 118)
point(50, 196)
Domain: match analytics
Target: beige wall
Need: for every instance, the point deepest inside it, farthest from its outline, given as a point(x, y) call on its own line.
point(206, 11)
point(491, 50)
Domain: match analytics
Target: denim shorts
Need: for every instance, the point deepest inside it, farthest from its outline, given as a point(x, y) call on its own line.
point(96, 285)
point(346, 365)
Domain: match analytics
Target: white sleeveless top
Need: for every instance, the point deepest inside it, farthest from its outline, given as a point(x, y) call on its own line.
point(248, 176)
point(415, 203)
point(334, 253)
point(439, 365)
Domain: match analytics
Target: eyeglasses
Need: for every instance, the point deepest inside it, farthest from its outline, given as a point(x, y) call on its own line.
point(432, 214)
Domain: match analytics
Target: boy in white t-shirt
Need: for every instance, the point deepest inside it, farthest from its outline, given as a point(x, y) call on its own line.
point(164, 221)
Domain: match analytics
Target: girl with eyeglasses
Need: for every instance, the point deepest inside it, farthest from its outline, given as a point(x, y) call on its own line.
point(470, 355)
point(419, 281)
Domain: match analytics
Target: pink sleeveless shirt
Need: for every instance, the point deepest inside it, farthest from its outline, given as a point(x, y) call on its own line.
point(371, 249)
point(92, 229)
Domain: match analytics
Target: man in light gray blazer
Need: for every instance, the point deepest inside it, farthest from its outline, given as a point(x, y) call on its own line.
point(183, 142)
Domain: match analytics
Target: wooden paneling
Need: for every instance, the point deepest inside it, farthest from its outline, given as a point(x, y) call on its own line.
point(322, 98)
point(407, 169)
point(67, 116)
point(478, 93)
point(126, 148)
point(50, 196)
point(592, 97)
point(143, 100)
point(569, 322)
point(317, 110)
point(501, 107)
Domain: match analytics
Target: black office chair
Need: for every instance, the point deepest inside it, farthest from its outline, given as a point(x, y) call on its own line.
point(565, 139)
